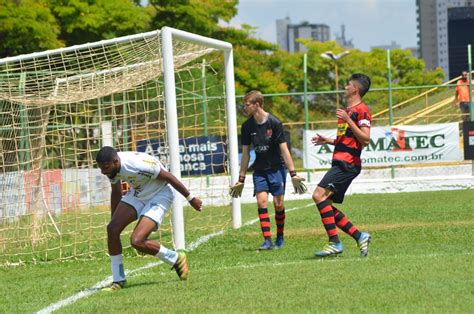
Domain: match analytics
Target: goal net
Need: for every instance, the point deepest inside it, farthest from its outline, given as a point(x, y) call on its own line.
point(167, 93)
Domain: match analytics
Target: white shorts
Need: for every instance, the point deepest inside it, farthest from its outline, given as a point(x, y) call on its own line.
point(155, 208)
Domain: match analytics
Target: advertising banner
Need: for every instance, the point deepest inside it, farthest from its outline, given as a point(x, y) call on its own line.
point(393, 145)
point(12, 196)
point(198, 155)
point(52, 190)
point(468, 135)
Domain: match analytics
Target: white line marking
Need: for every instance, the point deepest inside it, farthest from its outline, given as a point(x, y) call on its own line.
point(337, 260)
point(87, 292)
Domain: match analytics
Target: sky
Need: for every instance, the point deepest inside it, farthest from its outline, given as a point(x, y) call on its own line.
point(368, 22)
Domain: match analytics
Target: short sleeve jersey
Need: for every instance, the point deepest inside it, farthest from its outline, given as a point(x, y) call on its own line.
point(348, 148)
point(463, 90)
point(266, 139)
point(140, 170)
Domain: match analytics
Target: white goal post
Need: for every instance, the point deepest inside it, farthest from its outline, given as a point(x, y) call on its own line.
point(152, 92)
point(167, 35)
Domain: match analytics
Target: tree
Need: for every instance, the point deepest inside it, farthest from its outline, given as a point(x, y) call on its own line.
point(243, 38)
point(27, 26)
point(88, 21)
point(258, 64)
point(196, 16)
point(406, 71)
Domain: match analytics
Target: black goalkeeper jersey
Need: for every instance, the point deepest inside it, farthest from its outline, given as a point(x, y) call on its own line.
point(266, 139)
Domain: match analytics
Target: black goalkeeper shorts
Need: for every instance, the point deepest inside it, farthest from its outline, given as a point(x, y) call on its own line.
point(338, 179)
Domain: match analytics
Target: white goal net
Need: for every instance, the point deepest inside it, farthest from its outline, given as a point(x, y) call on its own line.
point(58, 107)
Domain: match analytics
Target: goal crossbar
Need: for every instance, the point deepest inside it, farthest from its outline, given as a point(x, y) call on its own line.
point(142, 87)
point(52, 52)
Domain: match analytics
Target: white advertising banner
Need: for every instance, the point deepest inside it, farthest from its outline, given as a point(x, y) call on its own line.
point(393, 145)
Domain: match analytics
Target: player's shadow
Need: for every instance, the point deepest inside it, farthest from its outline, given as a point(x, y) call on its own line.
point(250, 249)
point(149, 283)
point(128, 286)
point(140, 284)
point(256, 249)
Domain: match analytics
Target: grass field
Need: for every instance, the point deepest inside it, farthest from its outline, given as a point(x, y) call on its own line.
point(420, 260)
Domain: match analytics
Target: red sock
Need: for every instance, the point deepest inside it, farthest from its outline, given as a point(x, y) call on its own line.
point(345, 224)
point(280, 221)
point(264, 222)
point(327, 217)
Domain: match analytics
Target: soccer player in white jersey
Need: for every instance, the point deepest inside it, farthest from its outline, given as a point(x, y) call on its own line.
point(148, 200)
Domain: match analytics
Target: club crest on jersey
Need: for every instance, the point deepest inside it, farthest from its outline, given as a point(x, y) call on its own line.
point(269, 132)
point(341, 129)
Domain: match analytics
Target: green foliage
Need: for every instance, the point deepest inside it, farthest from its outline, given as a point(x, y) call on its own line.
point(196, 16)
point(253, 71)
point(88, 21)
point(406, 71)
point(27, 26)
point(259, 71)
point(243, 38)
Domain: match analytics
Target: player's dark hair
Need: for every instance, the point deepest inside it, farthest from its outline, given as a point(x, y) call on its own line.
point(106, 154)
point(254, 96)
point(362, 81)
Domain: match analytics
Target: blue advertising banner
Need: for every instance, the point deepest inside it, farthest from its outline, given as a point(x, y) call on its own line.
point(200, 155)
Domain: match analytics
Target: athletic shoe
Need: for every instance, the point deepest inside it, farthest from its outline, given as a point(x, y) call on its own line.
point(363, 243)
point(279, 242)
point(115, 286)
point(181, 266)
point(266, 245)
point(331, 248)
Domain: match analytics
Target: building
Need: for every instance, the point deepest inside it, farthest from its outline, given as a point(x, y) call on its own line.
point(288, 33)
point(395, 45)
point(282, 32)
point(341, 39)
point(432, 23)
point(460, 34)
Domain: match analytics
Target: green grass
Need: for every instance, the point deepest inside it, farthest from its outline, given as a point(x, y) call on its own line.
point(83, 234)
point(420, 260)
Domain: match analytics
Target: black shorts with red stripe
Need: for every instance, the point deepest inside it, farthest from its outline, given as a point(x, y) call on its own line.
point(338, 179)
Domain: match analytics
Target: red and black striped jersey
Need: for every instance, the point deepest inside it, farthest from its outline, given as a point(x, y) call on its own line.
point(348, 148)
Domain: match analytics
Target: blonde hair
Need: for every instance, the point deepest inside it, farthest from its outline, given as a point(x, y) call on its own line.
point(254, 96)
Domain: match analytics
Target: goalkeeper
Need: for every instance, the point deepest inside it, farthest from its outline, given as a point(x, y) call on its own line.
point(265, 132)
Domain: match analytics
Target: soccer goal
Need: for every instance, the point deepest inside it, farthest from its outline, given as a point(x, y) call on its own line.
point(169, 93)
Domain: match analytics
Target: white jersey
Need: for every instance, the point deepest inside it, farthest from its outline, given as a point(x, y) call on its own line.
point(140, 170)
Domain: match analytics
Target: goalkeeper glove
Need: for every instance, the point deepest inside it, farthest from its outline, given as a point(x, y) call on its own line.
point(298, 185)
point(236, 189)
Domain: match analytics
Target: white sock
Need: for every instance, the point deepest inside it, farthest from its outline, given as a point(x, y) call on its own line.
point(168, 256)
point(118, 273)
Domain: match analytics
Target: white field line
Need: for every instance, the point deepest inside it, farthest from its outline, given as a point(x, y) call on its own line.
point(338, 260)
point(101, 284)
point(331, 260)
